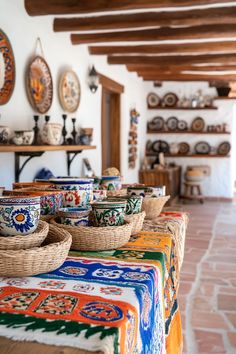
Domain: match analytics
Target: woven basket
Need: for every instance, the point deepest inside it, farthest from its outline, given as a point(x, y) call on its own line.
point(89, 238)
point(153, 206)
point(137, 220)
point(25, 241)
point(21, 263)
point(46, 218)
point(117, 192)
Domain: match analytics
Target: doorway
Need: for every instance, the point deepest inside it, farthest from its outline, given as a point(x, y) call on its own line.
point(110, 122)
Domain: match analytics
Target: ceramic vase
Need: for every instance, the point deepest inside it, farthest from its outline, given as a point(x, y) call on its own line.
point(109, 213)
point(19, 215)
point(78, 191)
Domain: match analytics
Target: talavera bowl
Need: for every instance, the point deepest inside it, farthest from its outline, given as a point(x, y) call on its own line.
point(109, 213)
point(19, 215)
point(134, 203)
point(74, 216)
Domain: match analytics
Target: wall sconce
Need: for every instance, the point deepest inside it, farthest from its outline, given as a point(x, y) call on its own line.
point(93, 79)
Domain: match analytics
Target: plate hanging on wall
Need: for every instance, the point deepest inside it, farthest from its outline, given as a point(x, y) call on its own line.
point(224, 148)
point(69, 91)
point(158, 123)
point(39, 84)
point(184, 148)
point(153, 100)
point(160, 146)
point(172, 123)
point(7, 69)
point(170, 99)
point(202, 148)
point(182, 125)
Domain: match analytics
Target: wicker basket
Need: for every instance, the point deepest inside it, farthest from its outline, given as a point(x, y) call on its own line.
point(117, 192)
point(21, 263)
point(137, 220)
point(89, 238)
point(154, 206)
point(25, 241)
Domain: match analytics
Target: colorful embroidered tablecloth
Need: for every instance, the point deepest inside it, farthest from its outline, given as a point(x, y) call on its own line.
point(121, 301)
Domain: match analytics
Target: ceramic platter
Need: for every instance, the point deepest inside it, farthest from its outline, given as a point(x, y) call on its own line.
point(153, 100)
point(202, 148)
point(172, 123)
point(184, 148)
point(182, 125)
point(224, 148)
point(69, 91)
point(39, 85)
point(170, 100)
point(7, 69)
point(160, 146)
point(198, 125)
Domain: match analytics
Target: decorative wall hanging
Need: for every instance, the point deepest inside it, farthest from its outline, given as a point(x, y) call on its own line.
point(69, 91)
point(172, 123)
point(7, 69)
point(184, 148)
point(39, 83)
point(224, 148)
point(153, 100)
point(133, 137)
point(198, 125)
point(202, 148)
point(170, 99)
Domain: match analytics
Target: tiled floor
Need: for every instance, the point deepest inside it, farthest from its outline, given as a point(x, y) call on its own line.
point(207, 293)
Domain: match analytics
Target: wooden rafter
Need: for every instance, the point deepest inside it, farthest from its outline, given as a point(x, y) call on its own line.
point(189, 77)
point(148, 19)
point(173, 60)
point(164, 33)
point(62, 7)
point(180, 68)
point(189, 48)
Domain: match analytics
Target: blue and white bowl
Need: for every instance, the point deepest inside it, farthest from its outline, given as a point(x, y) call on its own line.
point(19, 215)
point(74, 216)
point(78, 191)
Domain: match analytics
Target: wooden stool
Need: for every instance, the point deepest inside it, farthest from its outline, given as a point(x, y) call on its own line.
point(193, 191)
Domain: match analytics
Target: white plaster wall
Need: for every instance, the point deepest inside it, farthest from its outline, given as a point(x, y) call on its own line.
point(223, 170)
point(22, 30)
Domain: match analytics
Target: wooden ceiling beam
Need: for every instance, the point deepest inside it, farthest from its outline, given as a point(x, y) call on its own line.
point(175, 48)
point(189, 77)
point(148, 19)
point(164, 33)
point(166, 68)
point(173, 60)
point(63, 7)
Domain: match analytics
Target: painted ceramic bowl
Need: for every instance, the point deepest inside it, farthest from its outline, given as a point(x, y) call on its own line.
point(110, 182)
point(109, 213)
point(50, 200)
point(78, 191)
point(134, 203)
point(146, 191)
point(19, 215)
point(23, 137)
point(137, 190)
point(99, 194)
point(96, 182)
point(51, 133)
point(74, 216)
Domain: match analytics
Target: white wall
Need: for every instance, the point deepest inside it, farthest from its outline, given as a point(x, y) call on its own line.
point(22, 30)
point(220, 183)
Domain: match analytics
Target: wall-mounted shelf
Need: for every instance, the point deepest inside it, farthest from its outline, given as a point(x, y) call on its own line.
point(31, 151)
point(184, 132)
point(184, 108)
point(192, 155)
point(225, 98)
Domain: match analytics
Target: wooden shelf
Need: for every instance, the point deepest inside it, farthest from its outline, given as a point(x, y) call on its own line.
point(184, 108)
point(224, 98)
point(184, 132)
point(192, 155)
point(39, 148)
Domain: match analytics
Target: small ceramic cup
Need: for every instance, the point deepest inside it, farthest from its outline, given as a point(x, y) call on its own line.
point(111, 182)
point(134, 203)
point(137, 190)
point(74, 216)
point(19, 215)
point(109, 213)
point(99, 194)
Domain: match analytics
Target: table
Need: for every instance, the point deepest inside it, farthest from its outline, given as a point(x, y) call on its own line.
point(121, 301)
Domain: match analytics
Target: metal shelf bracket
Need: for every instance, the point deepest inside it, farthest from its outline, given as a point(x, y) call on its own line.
point(18, 155)
point(70, 157)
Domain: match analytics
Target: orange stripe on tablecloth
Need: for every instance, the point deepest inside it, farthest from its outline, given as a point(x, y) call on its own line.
point(174, 341)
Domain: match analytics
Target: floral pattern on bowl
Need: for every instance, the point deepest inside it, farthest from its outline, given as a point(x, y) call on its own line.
point(109, 213)
point(134, 203)
point(19, 215)
point(74, 216)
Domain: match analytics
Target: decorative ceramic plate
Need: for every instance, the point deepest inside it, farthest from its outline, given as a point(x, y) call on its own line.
point(160, 146)
point(69, 91)
point(184, 148)
point(7, 69)
point(158, 123)
point(153, 100)
point(172, 123)
point(202, 148)
point(224, 148)
point(39, 85)
point(182, 125)
point(198, 125)
point(170, 99)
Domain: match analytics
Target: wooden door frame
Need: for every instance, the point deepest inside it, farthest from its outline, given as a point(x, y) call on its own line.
point(115, 90)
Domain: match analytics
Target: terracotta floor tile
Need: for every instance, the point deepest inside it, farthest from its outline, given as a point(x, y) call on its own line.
point(205, 319)
point(232, 318)
point(209, 342)
point(227, 302)
point(232, 339)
